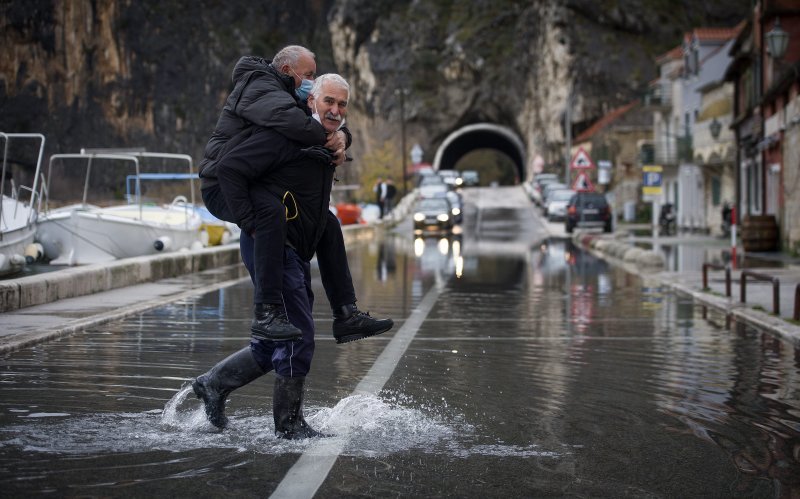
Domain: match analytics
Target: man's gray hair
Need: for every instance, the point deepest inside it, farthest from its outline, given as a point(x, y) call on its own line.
point(290, 55)
point(316, 90)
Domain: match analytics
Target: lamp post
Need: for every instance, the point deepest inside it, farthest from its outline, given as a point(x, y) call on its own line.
point(716, 127)
point(402, 92)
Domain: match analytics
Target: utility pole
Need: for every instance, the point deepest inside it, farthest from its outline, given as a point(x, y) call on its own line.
point(402, 92)
point(568, 136)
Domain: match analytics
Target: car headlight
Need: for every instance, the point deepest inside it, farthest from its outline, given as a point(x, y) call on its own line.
point(456, 211)
point(459, 181)
point(444, 217)
point(419, 217)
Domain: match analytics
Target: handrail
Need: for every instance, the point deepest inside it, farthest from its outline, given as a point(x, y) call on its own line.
point(716, 266)
point(776, 288)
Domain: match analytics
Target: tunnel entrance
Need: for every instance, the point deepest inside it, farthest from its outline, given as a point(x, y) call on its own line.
point(481, 136)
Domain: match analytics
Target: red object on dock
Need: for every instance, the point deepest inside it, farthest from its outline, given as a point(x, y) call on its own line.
point(348, 213)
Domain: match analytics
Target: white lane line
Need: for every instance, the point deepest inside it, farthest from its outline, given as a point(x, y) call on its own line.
point(306, 476)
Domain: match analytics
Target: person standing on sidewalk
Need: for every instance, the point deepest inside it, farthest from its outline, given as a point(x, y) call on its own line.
point(272, 94)
point(302, 182)
point(391, 192)
point(380, 195)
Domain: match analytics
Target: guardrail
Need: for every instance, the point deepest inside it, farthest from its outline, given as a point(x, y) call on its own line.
point(715, 266)
point(776, 289)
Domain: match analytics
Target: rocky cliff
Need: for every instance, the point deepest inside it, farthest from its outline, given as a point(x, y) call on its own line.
point(150, 73)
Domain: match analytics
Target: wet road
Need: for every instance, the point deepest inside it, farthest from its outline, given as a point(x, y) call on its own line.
point(518, 367)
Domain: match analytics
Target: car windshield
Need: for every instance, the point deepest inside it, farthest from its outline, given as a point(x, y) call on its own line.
point(431, 180)
point(592, 200)
point(562, 195)
point(434, 204)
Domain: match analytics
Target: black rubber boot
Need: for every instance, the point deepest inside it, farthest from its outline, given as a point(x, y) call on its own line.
point(270, 323)
point(214, 386)
point(350, 324)
point(287, 410)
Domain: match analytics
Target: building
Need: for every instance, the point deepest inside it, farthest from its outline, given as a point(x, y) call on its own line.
point(766, 116)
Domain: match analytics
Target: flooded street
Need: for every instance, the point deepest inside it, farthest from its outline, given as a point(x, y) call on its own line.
point(518, 367)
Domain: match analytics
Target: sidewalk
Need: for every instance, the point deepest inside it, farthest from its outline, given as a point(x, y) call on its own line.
point(758, 308)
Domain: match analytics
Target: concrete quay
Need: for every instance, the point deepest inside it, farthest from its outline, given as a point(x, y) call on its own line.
point(46, 306)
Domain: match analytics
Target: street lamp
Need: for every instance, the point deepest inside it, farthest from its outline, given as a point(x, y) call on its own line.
point(402, 92)
point(777, 40)
point(716, 128)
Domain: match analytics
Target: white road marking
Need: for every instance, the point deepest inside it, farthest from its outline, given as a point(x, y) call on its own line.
point(309, 472)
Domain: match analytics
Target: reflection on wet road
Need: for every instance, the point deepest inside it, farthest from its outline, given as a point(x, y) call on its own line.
point(539, 370)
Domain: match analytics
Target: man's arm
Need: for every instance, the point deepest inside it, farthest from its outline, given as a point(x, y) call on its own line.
point(275, 108)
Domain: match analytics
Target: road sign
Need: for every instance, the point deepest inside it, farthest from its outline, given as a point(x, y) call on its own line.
point(581, 160)
point(652, 180)
point(604, 172)
point(582, 183)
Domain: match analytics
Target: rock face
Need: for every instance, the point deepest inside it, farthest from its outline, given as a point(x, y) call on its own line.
point(154, 74)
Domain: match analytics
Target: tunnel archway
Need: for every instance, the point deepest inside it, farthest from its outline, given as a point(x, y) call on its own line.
point(480, 136)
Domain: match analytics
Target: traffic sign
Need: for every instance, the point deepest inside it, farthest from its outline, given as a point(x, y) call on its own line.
point(581, 160)
point(652, 180)
point(582, 183)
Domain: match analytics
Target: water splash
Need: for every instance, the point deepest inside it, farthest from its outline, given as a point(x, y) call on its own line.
point(372, 427)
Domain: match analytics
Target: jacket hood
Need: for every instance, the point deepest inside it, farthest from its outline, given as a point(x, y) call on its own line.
point(249, 63)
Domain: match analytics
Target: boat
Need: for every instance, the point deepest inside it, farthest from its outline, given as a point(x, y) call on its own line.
point(83, 233)
point(18, 210)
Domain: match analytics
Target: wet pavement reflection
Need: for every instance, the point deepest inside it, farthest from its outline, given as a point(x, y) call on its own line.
point(539, 371)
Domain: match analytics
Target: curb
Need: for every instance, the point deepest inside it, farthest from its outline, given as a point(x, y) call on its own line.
point(638, 261)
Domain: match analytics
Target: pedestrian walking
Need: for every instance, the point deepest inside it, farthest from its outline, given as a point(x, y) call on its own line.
point(380, 195)
point(391, 192)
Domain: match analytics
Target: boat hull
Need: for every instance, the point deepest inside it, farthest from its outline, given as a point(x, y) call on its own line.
point(80, 236)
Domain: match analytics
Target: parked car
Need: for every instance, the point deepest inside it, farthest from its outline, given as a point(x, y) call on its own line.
point(588, 210)
point(556, 207)
point(548, 188)
point(433, 215)
point(470, 178)
point(538, 183)
point(432, 186)
point(456, 206)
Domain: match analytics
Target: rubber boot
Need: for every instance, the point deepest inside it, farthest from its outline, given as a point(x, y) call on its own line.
point(270, 323)
point(214, 386)
point(287, 410)
point(350, 324)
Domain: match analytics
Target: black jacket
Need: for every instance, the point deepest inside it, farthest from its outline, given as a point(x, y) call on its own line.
point(284, 168)
point(261, 97)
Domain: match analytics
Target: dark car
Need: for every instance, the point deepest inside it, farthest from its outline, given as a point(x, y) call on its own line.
point(588, 210)
point(433, 215)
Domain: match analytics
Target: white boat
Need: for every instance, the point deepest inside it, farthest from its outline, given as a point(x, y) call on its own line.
point(18, 211)
point(83, 233)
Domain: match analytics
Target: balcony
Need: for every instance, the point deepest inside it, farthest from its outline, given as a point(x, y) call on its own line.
point(674, 150)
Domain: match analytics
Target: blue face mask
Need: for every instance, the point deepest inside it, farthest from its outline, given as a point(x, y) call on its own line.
point(304, 89)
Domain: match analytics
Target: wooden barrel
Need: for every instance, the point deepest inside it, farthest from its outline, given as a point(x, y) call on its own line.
point(760, 233)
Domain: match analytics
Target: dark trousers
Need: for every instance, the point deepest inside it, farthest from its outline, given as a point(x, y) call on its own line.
point(288, 358)
point(268, 266)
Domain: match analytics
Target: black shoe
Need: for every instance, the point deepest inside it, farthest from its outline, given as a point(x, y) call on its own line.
point(350, 324)
point(229, 374)
point(287, 410)
point(270, 323)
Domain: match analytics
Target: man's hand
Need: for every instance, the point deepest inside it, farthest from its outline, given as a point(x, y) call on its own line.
point(336, 142)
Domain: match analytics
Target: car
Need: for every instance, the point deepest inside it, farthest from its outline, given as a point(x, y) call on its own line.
point(433, 215)
point(451, 178)
point(431, 186)
point(548, 188)
point(456, 206)
point(470, 177)
point(556, 207)
point(588, 210)
point(538, 183)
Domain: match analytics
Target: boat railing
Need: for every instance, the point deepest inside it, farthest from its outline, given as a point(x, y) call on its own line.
point(90, 157)
point(139, 153)
point(7, 137)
